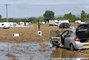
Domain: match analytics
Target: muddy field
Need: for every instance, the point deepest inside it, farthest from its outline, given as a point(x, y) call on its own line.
point(28, 34)
point(30, 46)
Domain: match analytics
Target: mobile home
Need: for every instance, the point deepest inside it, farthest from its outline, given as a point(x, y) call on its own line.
point(53, 22)
point(6, 24)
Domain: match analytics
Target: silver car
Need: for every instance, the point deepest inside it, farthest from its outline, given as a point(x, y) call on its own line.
point(74, 38)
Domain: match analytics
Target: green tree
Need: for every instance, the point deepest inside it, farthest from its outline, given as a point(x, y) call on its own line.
point(12, 19)
point(41, 19)
point(70, 16)
point(48, 15)
point(66, 16)
point(19, 20)
point(83, 15)
point(3, 20)
point(60, 18)
point(32, 19)
point(0, 18)
point(87, 15)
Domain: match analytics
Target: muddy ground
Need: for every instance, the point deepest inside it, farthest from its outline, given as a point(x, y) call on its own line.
point(29, 46)
point(28, 34)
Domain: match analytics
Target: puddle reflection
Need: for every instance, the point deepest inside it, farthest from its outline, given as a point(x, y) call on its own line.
point(64, 54)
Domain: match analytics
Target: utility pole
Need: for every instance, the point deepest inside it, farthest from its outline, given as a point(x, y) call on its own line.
point(7, 21)
point(7, 12)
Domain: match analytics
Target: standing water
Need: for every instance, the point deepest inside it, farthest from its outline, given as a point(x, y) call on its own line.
point(36, 51)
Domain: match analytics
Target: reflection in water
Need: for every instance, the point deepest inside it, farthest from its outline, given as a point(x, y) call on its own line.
point(31, 51)
point(61, 53)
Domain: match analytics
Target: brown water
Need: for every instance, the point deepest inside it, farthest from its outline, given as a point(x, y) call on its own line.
point(33, 51)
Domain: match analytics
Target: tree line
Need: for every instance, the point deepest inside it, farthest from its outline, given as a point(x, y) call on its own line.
point(49, 15)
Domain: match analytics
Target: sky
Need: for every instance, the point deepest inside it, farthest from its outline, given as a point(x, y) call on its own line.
point(36, 8)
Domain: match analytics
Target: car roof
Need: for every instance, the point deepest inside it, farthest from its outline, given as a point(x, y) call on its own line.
point(73, 30)
point(83, 24)
point(64, 23)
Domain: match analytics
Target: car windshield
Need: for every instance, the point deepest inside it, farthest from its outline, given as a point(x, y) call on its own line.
point(86, 27)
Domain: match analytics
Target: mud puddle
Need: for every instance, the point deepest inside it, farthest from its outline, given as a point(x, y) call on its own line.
point(38, 51)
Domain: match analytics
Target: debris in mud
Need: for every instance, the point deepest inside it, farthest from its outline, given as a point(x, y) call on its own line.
point(42, 50)
point(1, 50)
point(43, 45)
point(53, 48)
point(9, 55)
point(87, 55)
point(15, 34)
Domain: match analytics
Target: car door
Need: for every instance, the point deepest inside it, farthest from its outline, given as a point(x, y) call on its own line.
point(63, 35)
point(54, 37)
point(68, 39)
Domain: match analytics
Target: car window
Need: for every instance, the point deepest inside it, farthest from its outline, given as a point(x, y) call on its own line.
point(70, 33)
point(64, 33)
point(84, 27)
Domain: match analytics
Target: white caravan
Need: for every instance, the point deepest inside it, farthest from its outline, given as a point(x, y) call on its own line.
point(53, 22)
point(63, 21)
point(6, 25)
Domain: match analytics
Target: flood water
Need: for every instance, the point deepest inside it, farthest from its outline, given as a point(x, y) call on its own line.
point(33, 51)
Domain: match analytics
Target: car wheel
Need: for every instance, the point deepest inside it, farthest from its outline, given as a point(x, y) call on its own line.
point(72, 47)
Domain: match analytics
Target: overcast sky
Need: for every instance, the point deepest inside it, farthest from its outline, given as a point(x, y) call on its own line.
point(36, 8)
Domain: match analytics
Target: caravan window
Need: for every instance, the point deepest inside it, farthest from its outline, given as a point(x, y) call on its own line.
point(2, 24)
